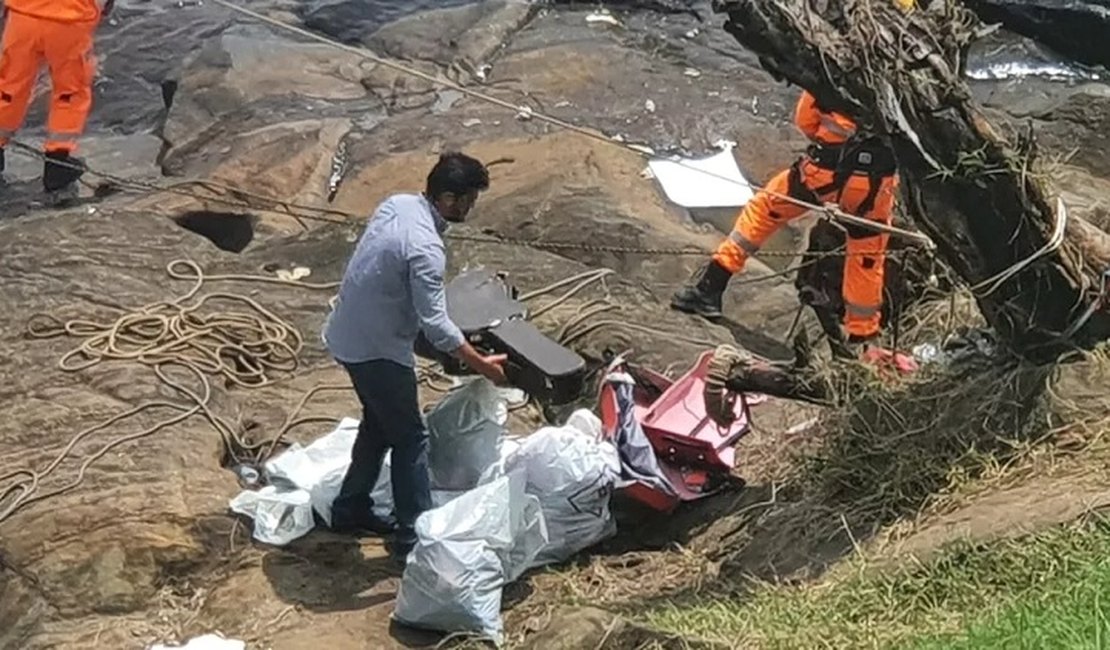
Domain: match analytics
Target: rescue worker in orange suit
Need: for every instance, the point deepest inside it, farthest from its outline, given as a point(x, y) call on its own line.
point(856, 172)
point(58, 33)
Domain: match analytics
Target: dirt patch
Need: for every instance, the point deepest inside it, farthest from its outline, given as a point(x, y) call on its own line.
point(1031, 506)
point(587, 627)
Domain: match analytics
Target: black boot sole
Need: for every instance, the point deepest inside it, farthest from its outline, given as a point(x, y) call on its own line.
point(697, 310)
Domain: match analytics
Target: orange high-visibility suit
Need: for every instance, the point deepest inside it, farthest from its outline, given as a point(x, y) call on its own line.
point(59, 33)
point(861, 179)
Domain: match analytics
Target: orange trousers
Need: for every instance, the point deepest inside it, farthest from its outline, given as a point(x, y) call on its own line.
point(67, 49)
point(863, 266)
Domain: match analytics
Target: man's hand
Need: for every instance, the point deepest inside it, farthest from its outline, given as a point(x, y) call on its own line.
point(493, 368)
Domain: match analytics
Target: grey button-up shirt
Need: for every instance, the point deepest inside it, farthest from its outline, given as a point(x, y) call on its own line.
point(393, 287)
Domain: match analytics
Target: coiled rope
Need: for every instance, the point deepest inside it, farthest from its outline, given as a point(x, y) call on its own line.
point(219, 334)
point(720, 402)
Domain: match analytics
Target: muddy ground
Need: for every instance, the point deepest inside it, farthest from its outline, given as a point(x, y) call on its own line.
point(143, 549)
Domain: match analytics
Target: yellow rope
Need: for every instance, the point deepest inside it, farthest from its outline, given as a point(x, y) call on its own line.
point(246, 348)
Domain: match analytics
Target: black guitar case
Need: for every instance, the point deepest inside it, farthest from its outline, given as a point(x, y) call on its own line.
point(485, 308)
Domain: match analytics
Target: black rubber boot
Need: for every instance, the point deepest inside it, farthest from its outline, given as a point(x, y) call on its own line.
point(61, 170)
point(703, 295)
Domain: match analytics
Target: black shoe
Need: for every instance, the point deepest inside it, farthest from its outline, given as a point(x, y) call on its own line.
point(1, 159)
point(353, 521)
point(399, 550)
point(373, 525)
point(60, 170)
point(703, 295)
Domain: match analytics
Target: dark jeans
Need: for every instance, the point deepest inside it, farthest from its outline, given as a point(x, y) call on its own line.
point(390, 421)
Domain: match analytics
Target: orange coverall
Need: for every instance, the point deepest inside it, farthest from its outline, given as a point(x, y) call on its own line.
point(812, 179)
point(59, 32)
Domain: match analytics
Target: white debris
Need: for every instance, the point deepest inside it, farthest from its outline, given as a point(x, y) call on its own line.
point(649, 106)
point(471, 122)
point(692, 72)
point(295, 274)
point(280, 515)
point(711, 182)
point(206, 642)
point(801, 427)
point(514, 397)
point(926, 353)
point(602, 16)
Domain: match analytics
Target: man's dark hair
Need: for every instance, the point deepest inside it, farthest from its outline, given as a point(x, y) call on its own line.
point(458, 174)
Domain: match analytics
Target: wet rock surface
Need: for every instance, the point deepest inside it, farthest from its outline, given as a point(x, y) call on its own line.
point(1075, 28)
point(143, 548)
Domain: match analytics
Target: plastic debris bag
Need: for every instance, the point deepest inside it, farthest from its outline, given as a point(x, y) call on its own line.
point(530, 536)
point(382, 494)
point(465, 430)
point(280, 515)
point(573, 473)
point(318, 468)
point(466, 551)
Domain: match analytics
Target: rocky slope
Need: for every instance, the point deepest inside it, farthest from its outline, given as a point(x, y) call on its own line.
point(143, 549)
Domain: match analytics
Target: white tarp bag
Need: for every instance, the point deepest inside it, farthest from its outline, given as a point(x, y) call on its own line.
point(573, 473)
point(465, 430)
point(280, 515)
point(466, 551)
point(318, 468)
point(382, 494)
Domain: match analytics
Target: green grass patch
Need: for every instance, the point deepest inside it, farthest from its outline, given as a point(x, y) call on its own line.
point(1051, 590)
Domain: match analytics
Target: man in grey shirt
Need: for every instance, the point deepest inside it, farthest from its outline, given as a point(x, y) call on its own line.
point(392, 290)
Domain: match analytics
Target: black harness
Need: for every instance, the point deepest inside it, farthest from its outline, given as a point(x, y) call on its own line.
point(860, 154)
point(865, 156)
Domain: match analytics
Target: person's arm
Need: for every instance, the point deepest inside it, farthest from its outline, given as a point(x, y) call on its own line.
point(427, 264)
point(806, 115)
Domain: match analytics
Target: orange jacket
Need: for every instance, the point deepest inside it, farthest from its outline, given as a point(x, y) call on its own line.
point(822, 127)
point(63, 11)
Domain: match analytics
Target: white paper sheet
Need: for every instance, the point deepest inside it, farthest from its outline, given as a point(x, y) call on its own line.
point(722, 187)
